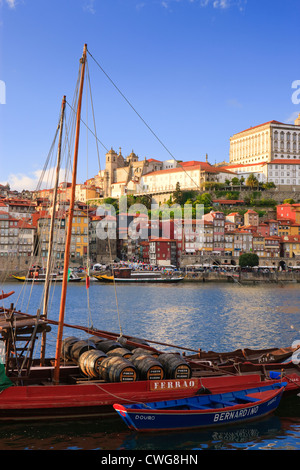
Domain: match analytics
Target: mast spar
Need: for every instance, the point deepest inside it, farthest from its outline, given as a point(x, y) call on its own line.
point(69, 230)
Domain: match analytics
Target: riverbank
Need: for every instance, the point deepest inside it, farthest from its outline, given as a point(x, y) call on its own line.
point(244, 277)
point(219, 277)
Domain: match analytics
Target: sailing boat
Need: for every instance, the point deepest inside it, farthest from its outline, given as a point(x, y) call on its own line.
point(86, 377)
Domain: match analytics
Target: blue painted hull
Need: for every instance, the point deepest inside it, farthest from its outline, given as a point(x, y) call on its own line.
point(203, 410)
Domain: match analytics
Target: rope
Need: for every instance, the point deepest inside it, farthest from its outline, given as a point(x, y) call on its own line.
point(115, 290)
point(141, 118)
point(87, 215)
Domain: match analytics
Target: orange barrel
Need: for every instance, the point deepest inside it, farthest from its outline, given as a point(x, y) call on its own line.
point(80, 347)
point(117, 369)
point(89, 362)
point(148, 367)
point(67, 344)
point(175, 366)
point(120, 352)
point(107, 345)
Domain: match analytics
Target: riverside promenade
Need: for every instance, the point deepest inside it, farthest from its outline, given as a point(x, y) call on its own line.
point(244, 277)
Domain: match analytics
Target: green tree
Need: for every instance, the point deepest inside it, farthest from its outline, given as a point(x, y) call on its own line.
point(204, 198)
point(235, 181)
point(178, 195)
point(248, 259)
point(252, 181)
point(288, 201)
point(269, 185)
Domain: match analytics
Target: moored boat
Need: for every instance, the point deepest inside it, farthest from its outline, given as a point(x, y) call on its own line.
point(127, 275)
point(39, 276)
point(4, 295)
point(202, 410)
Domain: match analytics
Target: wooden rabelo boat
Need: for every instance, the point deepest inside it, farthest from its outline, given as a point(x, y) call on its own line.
point(202, 410)
point(84, 378)
point(37, 275)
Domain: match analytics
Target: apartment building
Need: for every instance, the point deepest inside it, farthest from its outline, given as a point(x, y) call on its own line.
point(17, 236)
point(288, 212)
point(162, 252)
point(290, 246)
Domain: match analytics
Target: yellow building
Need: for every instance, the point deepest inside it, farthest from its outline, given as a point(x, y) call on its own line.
point(290, 246)
point(258, 244)
point(80, 230)
point(288, 228)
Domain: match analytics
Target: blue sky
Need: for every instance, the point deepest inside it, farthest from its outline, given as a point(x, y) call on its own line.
point(197, 71)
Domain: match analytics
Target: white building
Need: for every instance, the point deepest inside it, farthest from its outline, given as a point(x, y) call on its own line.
point(190, 175)
point(265, 142)
point(270, 151)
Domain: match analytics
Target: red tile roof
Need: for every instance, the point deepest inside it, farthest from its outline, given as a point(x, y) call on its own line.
point(260, 125)
point(288, 161)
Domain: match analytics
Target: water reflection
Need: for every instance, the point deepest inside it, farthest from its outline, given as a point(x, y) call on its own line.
point(215, 438)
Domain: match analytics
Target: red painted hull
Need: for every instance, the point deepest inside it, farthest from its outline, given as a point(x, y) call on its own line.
point(4, 296)
point(37, 402)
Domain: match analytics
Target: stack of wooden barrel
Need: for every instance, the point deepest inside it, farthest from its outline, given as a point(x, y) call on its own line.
point(109, 360)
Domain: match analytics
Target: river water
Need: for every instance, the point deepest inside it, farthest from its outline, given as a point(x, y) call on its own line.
point(212, 316)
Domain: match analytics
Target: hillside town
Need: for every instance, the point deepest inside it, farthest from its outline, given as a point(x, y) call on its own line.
point(251, 205)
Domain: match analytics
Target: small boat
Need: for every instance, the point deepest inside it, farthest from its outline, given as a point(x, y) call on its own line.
point(39, 276)
point(128, 275)
point(202, 410)
point(5, 295)
point(255, 356)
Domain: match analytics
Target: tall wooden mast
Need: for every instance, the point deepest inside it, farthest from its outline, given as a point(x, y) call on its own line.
point(51, 234)
point(69, 230)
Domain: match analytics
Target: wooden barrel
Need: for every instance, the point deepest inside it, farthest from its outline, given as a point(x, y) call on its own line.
point(97, 339)
point(89, 362)
point(142, 351)
point(175, 366)
point(117, 369)
point(107, 345)
point(67, 344)
point(122, 352)
point(148, 367)
point(124, 342)
point(79, 348)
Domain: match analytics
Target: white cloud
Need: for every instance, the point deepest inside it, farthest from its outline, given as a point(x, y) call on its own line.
point(217, 4)
point(234, 103)
point(89, 6)
point(36, 180)
point(10, 3)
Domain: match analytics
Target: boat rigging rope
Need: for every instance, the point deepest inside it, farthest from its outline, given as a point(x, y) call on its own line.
point(87, 218)
point(115, 290)
point(141, 118)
